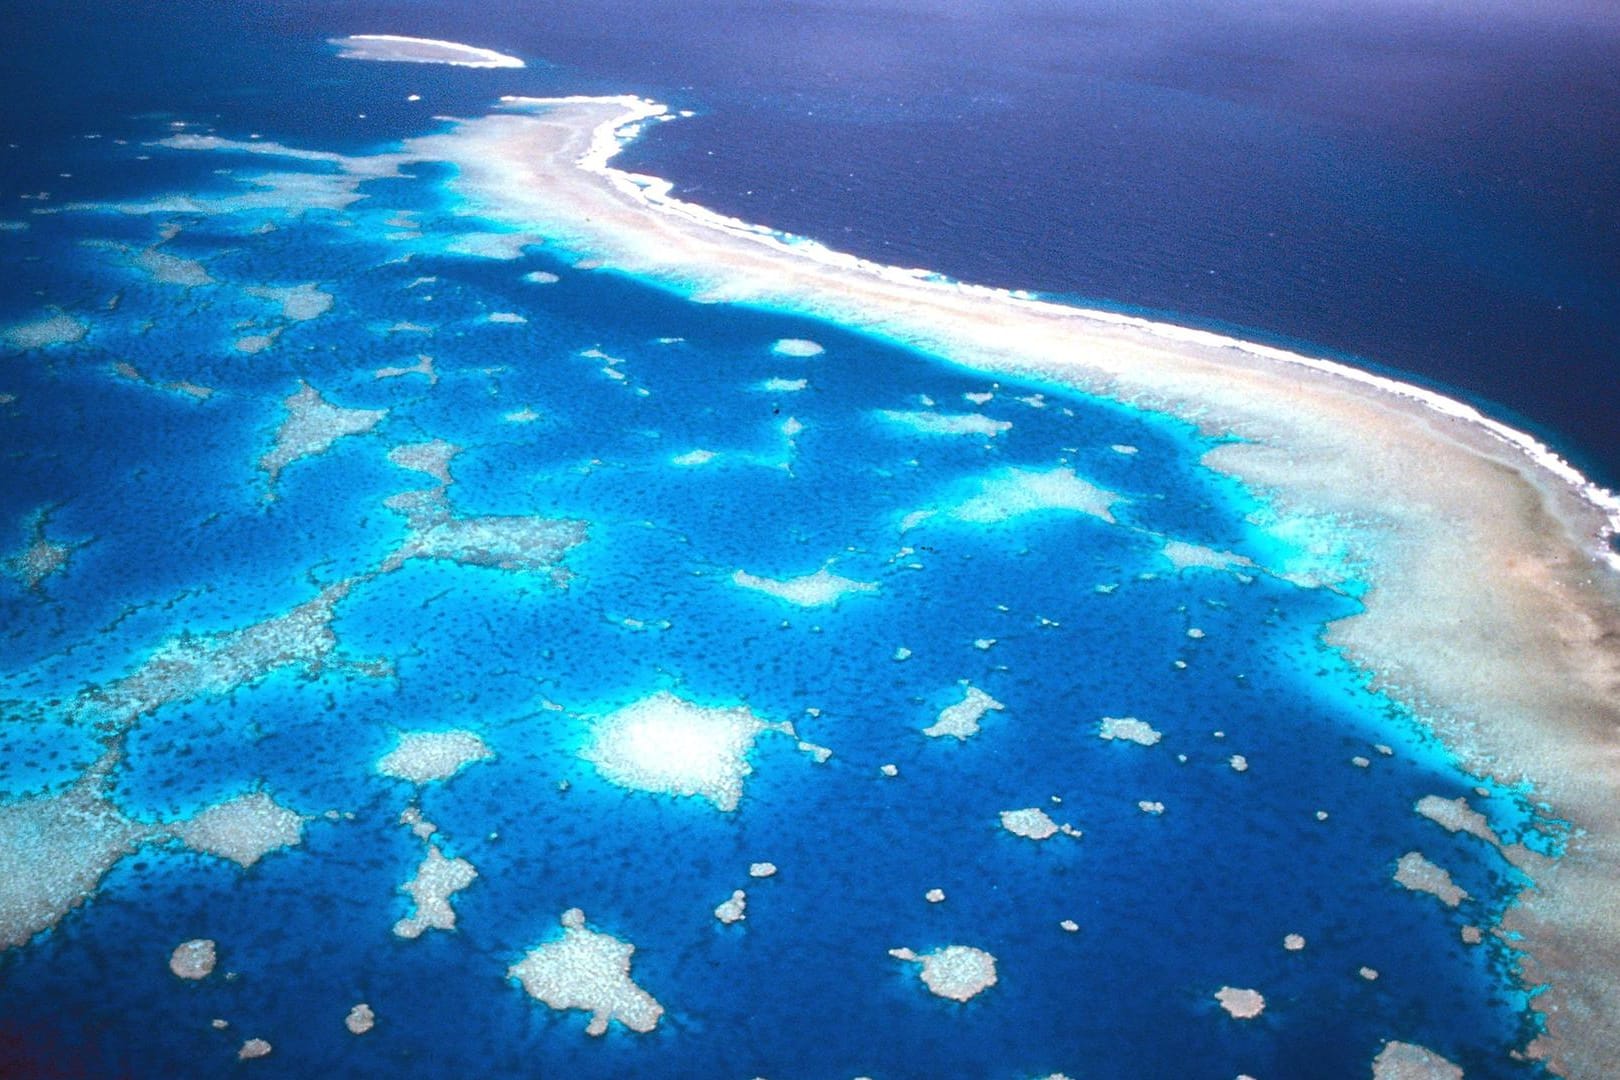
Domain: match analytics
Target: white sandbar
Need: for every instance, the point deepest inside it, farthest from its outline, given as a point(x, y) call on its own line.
point(424, 756)
point(820, 589)
point(671, 746)
point(932, 423)
point(762, 870)
point(1408, 1061)
point(961, 721)
point(1127, 729)
point(797, 347)
point(1032, 824)
point(253, 1048)
point(733, 909)
point(588, 970)
point(413, 50)
point(1012, 493)
point(360, 1019)
point(193, 959)
point(958, 972)
point(1242, 1004)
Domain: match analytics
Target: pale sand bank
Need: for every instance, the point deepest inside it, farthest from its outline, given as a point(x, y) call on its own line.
point(420, 51)
point(1494, 608)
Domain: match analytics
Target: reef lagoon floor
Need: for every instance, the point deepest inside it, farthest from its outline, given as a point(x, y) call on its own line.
point(468, 608)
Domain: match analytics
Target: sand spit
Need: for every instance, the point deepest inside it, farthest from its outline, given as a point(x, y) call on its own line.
point(958, 972)
point(1408, 1061)
point(587, 970)
point(412, 50)
point(961, 721)
point(1483, 551)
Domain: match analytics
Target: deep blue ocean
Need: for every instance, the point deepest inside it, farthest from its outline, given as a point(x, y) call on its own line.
point(1461, 237)
point(1434, 189)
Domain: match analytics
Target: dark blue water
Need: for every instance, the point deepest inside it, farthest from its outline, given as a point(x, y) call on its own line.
point(1433, 189)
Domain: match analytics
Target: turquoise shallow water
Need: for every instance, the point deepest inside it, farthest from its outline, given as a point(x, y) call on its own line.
point(1062, 617)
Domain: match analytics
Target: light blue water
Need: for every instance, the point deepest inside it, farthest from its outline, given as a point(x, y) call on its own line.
point(164, 496)
point(1170, 908)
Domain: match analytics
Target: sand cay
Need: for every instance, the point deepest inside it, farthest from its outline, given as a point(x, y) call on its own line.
point(1493, 606)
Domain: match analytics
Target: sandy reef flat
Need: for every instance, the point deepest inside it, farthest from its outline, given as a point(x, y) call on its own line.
point(1493, 607)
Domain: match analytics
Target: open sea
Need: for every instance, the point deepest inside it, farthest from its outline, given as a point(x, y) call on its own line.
point(1428, 191)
